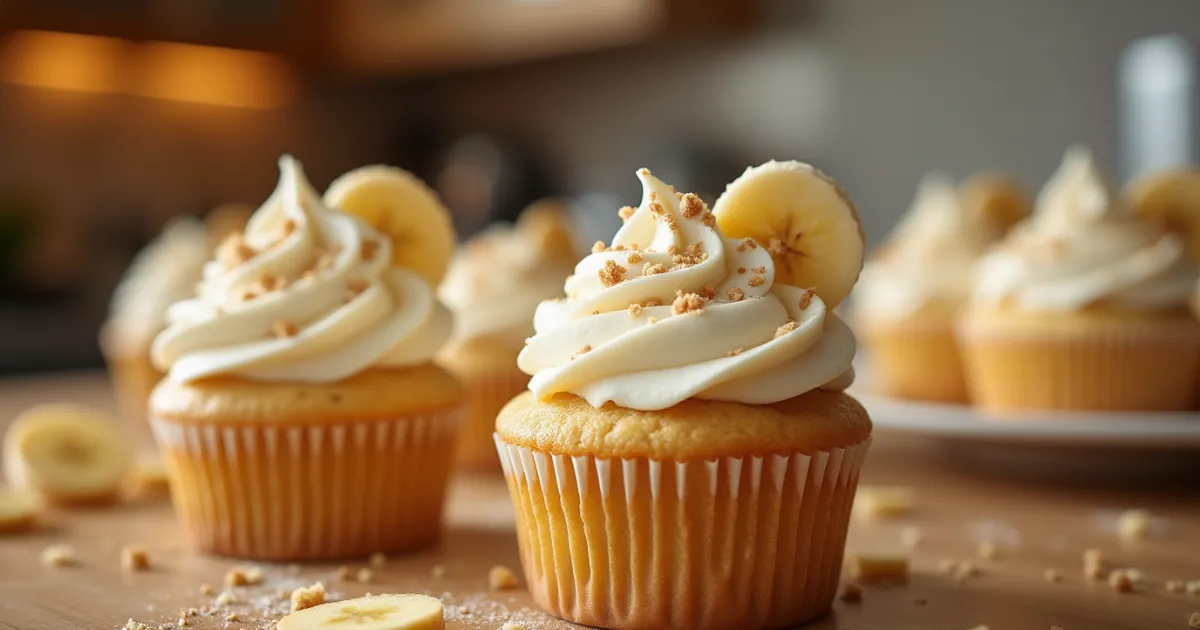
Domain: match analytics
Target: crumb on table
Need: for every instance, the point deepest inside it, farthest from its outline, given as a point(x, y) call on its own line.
point(364, 575)
point(987, 550)
point(881, 567)
point(438, 571)
point(851, 593)
point(377, 560)
point(1051, 575)
point(59, 556)
point(134, 558)
point(1120, 582)
point(910, 537)
point(502, 578)
point(884, 501)
point(308, 596)
point(134, 625)
point(1133, 524)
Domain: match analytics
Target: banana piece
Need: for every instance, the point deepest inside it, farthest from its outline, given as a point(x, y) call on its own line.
point(1172, 198)
point(399, 205)
point(804, 219)
point(547, 223)
point(67, 453)
point(373, 612)
point(18, 510)
point(995, 201)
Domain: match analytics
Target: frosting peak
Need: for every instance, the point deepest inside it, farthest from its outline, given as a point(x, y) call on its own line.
point(1084, 247)
point(673, 310)
point(305, 294)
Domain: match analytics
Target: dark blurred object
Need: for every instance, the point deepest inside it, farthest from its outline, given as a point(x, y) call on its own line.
point(484, 178)
point(1160, 106)
point(18, 223)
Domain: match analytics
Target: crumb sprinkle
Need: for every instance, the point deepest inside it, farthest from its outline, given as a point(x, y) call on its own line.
point(284, 330)
point(59, 556)
point(502, 578)
point(626, 212)
point(650, 269)
point(741, 270)
point(612, 274)
point(806, 299)
point(634, 258)
point(851, 593)
point(709, 220)
point(776, 248)
point(756, 280)
point(598, 247)
point(308, 596)
point(785, 329)
point(760, 269)
point(635, 310)
point(749, 242)
point(734, 352)
point(1051, 575)
point(734, 294)
point(364, 575)
point(691, 206)
point(135, 558)
point(708, 292)
point(687, 303)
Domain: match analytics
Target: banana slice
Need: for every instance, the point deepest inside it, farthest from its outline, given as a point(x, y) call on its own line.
point(994, 201)
point(1172, 198)
point(396, 203)
point(67, 453)
point(373, 612)
point(18, 510)
point(804, 219)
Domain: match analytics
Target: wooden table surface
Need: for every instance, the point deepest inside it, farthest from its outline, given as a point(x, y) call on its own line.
point(1040, 525)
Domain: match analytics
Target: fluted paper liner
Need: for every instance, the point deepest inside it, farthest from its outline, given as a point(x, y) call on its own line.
point(487, 392)
point(754, 542)
point(307, 491)
point(914, 361)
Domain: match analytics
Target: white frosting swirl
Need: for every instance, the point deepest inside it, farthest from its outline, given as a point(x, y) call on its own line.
point(927, 259)
point(754, 341)
point(496, 282)
point(338, 306)
point(1084, 247)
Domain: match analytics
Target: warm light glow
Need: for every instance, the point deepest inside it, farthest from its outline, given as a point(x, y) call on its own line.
point(63, 61)
point(214, 76)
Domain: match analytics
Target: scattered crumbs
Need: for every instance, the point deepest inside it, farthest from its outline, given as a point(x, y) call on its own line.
point(612, 274)
point(232, 617)
point(1134, 574)
point(776, 248)
point(308, 596)
point(183, 621)
point(1192, 587)
point(635, 310)
point(756, 280)
point(785, 329)
point(234, 251)
point(626, 212)
point(598, 247)
point(1175, 586)
point(512, 626)
point(741, 270)
point(806, 299)
point(966, 569)
point(255, 575)
point(284, 330)
point(134, 558)
point(734, 352)
point(920, 601)
point(687, 303)
point(735, 294)
point(246, 295)
point(881, 567)
point(343, 573)
point(1051, 575)
point(653, 320)
point(1194, 620)
point(1093, 564)
point(709, 220)
point(910, 537)
point(502, 578)
point(1093, 556)
point(761, 269)
point(652, 302)
point(634, 258)
point(59, 556)
point(1120, 582)
point(653, 269)
point(987, 550)
point(947, 565)
point(226, 598)
point(618, 247)
point(207, 589)
point(364, 575)
point(438, 571)
point(1133, 524)
point(584, 350)
point(236, 577)
point(749, 242)
point(377, 560)
point(851, 593)
point(134, 625)
point(691, 206)
point(708, 292)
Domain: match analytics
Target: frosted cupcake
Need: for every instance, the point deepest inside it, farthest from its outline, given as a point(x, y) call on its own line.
point(301, 417)
point(493, 287)
point(908, 299)
point(1084, 306)
point(163, 273)
point(685, 456)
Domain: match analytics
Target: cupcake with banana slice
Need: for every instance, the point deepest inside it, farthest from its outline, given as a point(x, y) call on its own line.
point(1083, 307)
point(911, 291)
point(493, 286)
point(685, 423)
point(300, 378)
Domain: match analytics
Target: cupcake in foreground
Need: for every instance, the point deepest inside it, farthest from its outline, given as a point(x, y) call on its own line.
point(493, 286)
point(301, 417)
point(163, 273)
point(908, 300)
point(686, 456)
point(1084, 306)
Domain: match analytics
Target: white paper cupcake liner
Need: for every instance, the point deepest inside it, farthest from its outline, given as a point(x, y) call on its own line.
point(754, 542)
point(307, 491)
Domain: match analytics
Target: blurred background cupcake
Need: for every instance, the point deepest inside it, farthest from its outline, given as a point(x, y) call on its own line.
point(493, 287)
point(1084, 306)
point(910, 293)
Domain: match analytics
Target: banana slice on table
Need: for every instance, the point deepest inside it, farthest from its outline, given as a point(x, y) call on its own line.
point(1172, 198)
point(373, 612)
point(400, 205)
point(18, 510)
point(67, 453)
point(995, 201)
point(804, 219)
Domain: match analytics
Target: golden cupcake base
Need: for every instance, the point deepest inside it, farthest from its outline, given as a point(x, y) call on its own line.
point(915, 360)
point(733, 543)
point(487, 391)
point(309, 491)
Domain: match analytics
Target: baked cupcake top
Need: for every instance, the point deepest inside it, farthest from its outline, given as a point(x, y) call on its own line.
point(1085, 248)
point(163, 273)
point(673, 310)
point(500, 276)
point(927, 260)
point(306, 294)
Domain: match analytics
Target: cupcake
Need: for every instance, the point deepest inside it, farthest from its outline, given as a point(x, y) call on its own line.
point(685, 456)
point(493, 286)
point(301, 416)
point(1082, 307)
point(163, 273)
point(908, 299)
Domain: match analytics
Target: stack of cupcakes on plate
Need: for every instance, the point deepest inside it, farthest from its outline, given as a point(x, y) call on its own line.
point(301, 416)
point(495, 283)
point(686, 456)
point(912, 290)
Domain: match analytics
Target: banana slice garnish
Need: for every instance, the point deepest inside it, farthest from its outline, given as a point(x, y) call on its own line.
point(67, 453)
point(1172, 198)
point(373, 612)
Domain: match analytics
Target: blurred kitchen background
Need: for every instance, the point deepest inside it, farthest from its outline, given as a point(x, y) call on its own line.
point(116, 115)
